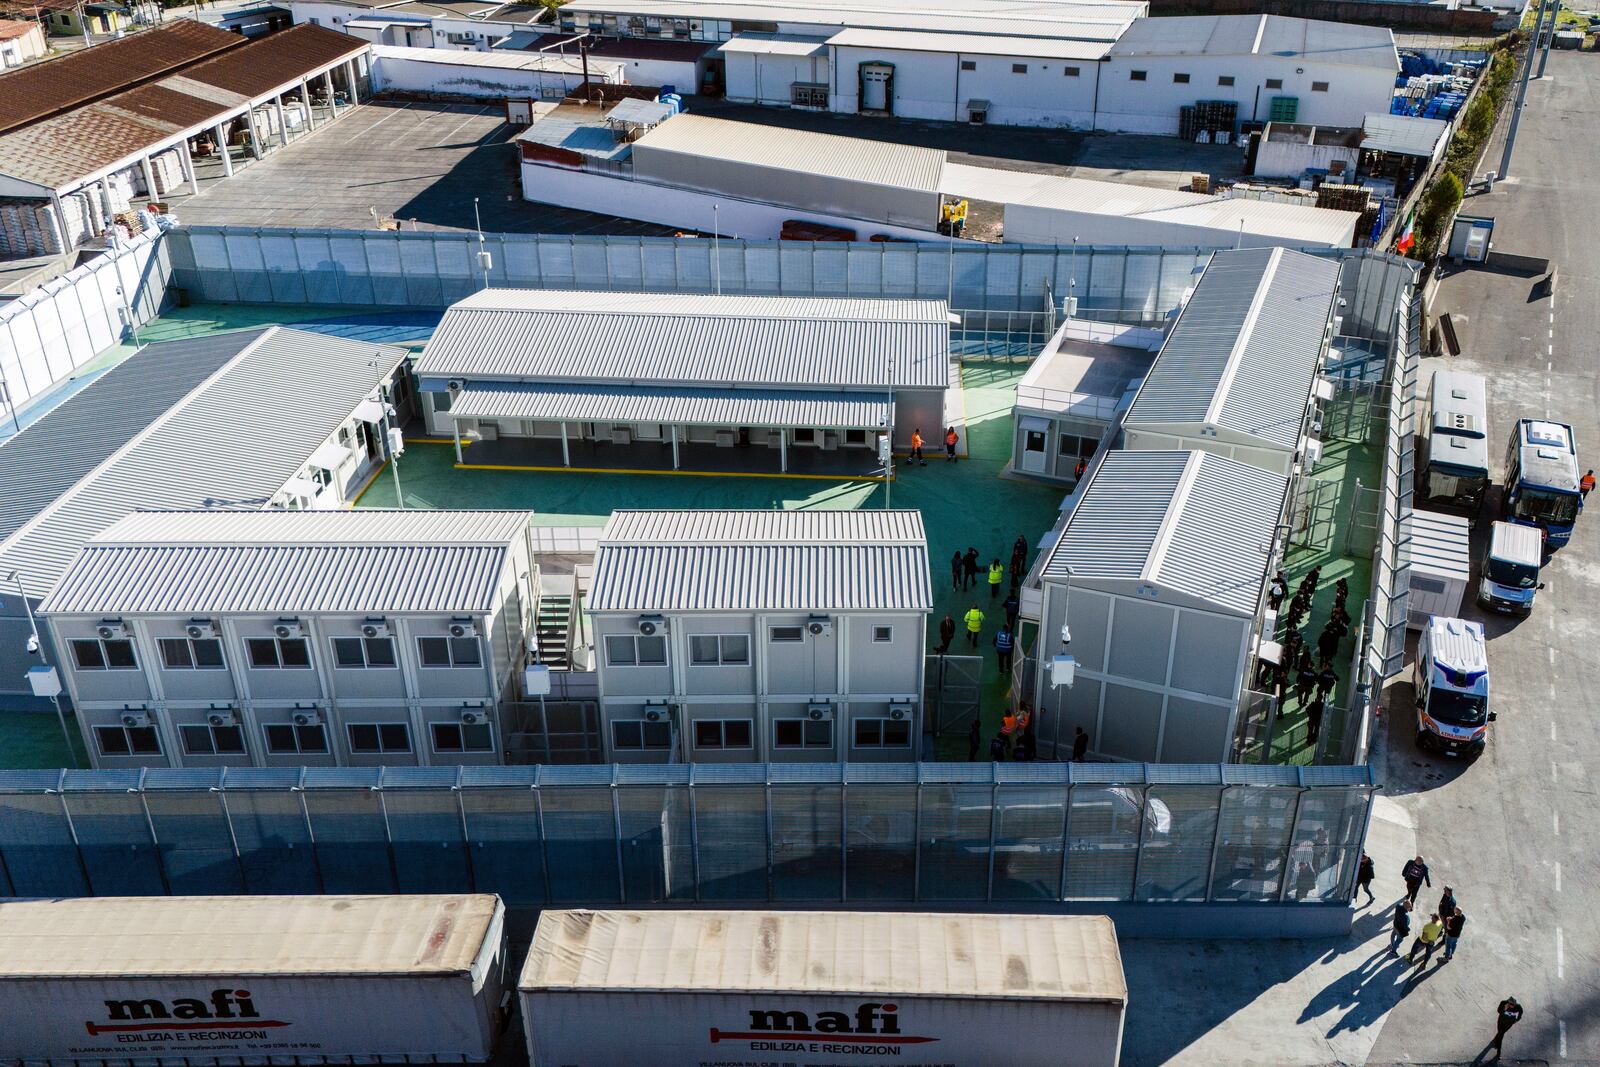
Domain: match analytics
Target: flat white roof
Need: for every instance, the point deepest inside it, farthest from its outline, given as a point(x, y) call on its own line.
point(828, 155)
point(775, 44)
point(244, 936)
point(971, 44)
point(1267, 36)
point(1103, 20)
point(498, 59)
point(967, 956)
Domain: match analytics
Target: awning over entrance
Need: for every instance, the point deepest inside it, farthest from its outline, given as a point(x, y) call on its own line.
point(369, 411)
point(330, 455)
point(675, 406)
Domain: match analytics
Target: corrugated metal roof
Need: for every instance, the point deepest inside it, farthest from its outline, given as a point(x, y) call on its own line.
point(1406, 135)
point(1441, 545)
point(54, 452)
point(775, 44)
point(1340, 43)
point(33, 92)
point(686, 406)
point(1245, 349)
point(292, 562)
point(1004, 957)
point(1194, 522)
point(264, 64)
point(673, 338)
point(244, 935)
point(856, 159)
point(814, 561)
point(233, 442)
point(972, 44)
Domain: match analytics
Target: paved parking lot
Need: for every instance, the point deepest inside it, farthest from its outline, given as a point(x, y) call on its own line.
point(421, 163)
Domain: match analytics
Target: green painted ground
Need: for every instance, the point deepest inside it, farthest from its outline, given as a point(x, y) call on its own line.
point(962, 504)
point(32, 740)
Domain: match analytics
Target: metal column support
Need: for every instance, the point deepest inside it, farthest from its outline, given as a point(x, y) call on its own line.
point(1288, 852)
point(694, 835)
point(149, 177)
point(350, 82)
point(566, 450)
point(283, 121)
point(186, 164)
point(327, 83)
point(455, 430)
point(844, 836)
point(783, 450)
point(544, 842)
point(250, 127)
point(59, 222)
point(616, 831)
point(1216, 840)
point(1549, 36)
point(311, 112)
point(675, 457)
point(217, 132)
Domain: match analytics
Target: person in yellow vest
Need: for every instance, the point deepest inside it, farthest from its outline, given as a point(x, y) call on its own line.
point(997, 574)
point(974, 620)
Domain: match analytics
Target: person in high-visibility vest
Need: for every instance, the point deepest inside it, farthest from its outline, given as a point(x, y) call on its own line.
point(1586, 485)
point(974, 619)
point(916, 448)
point(997, 574)
point(950, 440)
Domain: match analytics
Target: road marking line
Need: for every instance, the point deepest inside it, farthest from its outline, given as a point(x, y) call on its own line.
point(1555, 821)
point(1548, 367)
point(1552, 731)
point(1558, 878)
point(1552, 770)
point(1561, 955)
point(1552, 654)
point(1561, 1037)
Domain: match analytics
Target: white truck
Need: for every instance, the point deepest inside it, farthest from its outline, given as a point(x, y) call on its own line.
point(198, 981)
point(1452, 683)
point(825, 989)
point(1511, 568)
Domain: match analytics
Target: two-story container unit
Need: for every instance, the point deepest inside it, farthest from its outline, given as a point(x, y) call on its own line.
point(282, 638)
point(751, 636)
point(666, 380)
point(275, 418)
point(1158, 577)
point(1238, 373)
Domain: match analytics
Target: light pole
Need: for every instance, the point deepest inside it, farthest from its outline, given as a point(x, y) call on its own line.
point(483, 253)
point(127, 314)
point(37, 646)
point(394, 441)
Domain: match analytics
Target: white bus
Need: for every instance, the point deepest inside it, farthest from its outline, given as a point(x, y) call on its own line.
point(1453, 455)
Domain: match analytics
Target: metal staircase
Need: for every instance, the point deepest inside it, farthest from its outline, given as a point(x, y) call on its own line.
point(551, 628)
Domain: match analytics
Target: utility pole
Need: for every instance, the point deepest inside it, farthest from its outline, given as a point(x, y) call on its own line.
point(1549, 35)
point(1522, 93)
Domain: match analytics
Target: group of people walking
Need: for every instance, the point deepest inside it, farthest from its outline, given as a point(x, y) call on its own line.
point(966, 572)
point(1444, 927)
point(1311, 681)
point(916, 459)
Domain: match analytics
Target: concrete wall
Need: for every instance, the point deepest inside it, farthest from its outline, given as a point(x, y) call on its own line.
point(1151, 105)
point(1036, 224)
point(934, 85)
point(405, 70)
point(765, 79)
point(1289, 159)
point(705, 212)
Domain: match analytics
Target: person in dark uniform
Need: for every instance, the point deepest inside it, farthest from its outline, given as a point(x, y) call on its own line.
point(947, 633)
point(974, 741)
point(1080, 744)
point(1506, 1015)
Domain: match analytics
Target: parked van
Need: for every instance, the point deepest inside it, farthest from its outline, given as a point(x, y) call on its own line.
point(1452, 682)
point(1511, 568)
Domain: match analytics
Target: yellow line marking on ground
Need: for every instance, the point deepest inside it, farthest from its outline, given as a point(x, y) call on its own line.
point(370, 480)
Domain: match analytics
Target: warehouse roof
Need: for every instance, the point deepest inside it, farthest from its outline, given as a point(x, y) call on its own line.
point(1246, 348)
point(1100, 20)
point(291, 562)
point(811, 561)
point(266, 63)
point(244, 935)
point(972, 44)
point(33, 92)
point(498, 59)
point(1311, 225)
point(688, 406)
point(827, 155)
point(775, 44)
point(1404, 135)
point(838, 953)
point(233, 442)
point(53, 453)
point(703, 340)
point(1195, 523)
point(1341, 43)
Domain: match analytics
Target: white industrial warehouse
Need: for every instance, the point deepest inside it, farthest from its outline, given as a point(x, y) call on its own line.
point(662, 380)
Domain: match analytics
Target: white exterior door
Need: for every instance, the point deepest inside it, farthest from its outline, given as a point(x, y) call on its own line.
point(1033, 453)
point(875, 78)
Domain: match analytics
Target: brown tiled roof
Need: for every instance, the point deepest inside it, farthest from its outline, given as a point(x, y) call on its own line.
point(31, 93)
point(10, 28)
point(268, 62)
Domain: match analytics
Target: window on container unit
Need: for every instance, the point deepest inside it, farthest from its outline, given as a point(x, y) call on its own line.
point(367, 738)
point(722, 733)
point(786, 634)
point(288, 739)
point(969, 64)
point(1071, 72)
point(462, 737)
point(1319, 87)
point(1073, 445)
point(1274, 83)
point(882, 635)
point(279, 653)
point(93, 654)
point(1180, 79)
point(1137, 75)
point(1019, 68)
point(354, 653)
point(1225, 80)
point(203, 739)
point(637, 735)
point(449, 652)
point(712, 650)
point(802, 733)
point(635, 650)
point(127, 740)
point(883, 733)
point(187, 654)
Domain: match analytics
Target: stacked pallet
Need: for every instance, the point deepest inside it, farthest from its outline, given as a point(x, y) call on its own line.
point(1343, 197)
point(1208, 121)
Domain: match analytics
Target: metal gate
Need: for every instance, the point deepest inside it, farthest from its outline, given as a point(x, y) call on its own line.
point(1361, 536)
point(1318, 513)
point(952, 692)
point(552, 731)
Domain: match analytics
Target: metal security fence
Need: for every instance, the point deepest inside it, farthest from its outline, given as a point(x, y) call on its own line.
point(824, 833)
point(433, 269)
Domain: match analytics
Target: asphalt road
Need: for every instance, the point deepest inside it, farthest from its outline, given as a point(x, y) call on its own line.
point(1515, 834)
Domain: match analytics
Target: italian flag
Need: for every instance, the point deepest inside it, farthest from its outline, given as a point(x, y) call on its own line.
point(1408, 239)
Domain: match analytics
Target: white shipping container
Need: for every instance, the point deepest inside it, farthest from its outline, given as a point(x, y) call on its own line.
point(230, 980)
point(826, 989)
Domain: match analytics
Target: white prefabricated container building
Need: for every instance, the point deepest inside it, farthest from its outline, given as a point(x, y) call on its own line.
point(1237, 372)
point(1441, 565)
point(687, 988)
point(252, 979)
